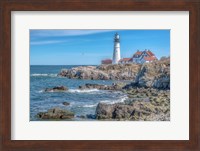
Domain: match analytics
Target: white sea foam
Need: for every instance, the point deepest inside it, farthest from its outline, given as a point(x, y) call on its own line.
point(74, 91)
point(43, 75)
point(115, 101)
point(51, 91)
point(90, 106)
point(41, 91)
point(82, 91)
point(107, 102)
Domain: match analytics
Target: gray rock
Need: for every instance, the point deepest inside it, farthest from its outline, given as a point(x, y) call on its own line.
point(104, 111)
point(56, 89)
point(66, 103)
point(56, 113)
point(114, 86)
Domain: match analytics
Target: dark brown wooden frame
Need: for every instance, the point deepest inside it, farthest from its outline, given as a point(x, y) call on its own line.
point(6, 6)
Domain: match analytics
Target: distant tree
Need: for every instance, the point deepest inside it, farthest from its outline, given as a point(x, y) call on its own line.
point(164, 58)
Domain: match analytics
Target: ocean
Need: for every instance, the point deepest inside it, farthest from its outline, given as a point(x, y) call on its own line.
point(82, 102)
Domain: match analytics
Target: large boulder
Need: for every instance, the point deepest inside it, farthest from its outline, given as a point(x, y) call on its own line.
point(119, 111)
point(56, 113)
point(104, 111)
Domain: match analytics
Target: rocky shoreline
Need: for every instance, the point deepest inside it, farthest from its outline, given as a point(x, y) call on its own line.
point(114, 86)
point(146, 104)
point(155, 74)
point(102, 72)
point(143, 104)
point(148, 93)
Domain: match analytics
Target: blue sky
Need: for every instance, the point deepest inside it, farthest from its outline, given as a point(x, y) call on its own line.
point(89, 47)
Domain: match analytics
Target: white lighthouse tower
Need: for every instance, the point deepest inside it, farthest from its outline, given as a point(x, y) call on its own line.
point(116, 52)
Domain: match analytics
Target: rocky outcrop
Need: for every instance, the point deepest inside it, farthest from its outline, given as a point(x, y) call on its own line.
point(56, 89)
point(114, 86)
point(143, 104)
point(138, 110)
point(102, 72)
point(56, 113)
point(153, 75)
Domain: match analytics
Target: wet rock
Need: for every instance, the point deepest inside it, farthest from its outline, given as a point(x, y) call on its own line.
point(56, 113)
point(93, 86)
point(66, 103)
point(56, 89)
point(91, 116)
point(81, 116)
point(114, 86)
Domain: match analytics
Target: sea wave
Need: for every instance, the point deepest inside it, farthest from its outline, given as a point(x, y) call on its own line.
point(120, 100)
point(41, 91)
point(43, 75)
point(82, 91)
point(74, 91)
point(90, 105)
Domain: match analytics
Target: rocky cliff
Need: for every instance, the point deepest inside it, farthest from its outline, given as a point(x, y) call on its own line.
point(102, 72)
point(155, 74)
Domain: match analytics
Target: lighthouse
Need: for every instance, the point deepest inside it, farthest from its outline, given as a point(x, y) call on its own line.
point(116, 51)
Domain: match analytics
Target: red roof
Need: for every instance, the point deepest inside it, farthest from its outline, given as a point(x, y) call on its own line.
point(149, 53)
point(106, 61)
point(150, 58)
point(138, 53)
point(125, 59)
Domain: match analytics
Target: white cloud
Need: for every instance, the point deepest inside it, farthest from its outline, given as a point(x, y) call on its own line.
point(47, 42)
point(54, 32)
point(47, 36)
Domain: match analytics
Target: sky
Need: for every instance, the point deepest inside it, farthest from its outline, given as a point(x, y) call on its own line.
point(89, 47)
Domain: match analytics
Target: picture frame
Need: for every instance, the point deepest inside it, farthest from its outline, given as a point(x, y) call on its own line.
point(7, 6)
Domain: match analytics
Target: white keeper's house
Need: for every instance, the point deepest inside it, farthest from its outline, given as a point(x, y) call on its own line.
point(144, 56)
point(139, 57)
